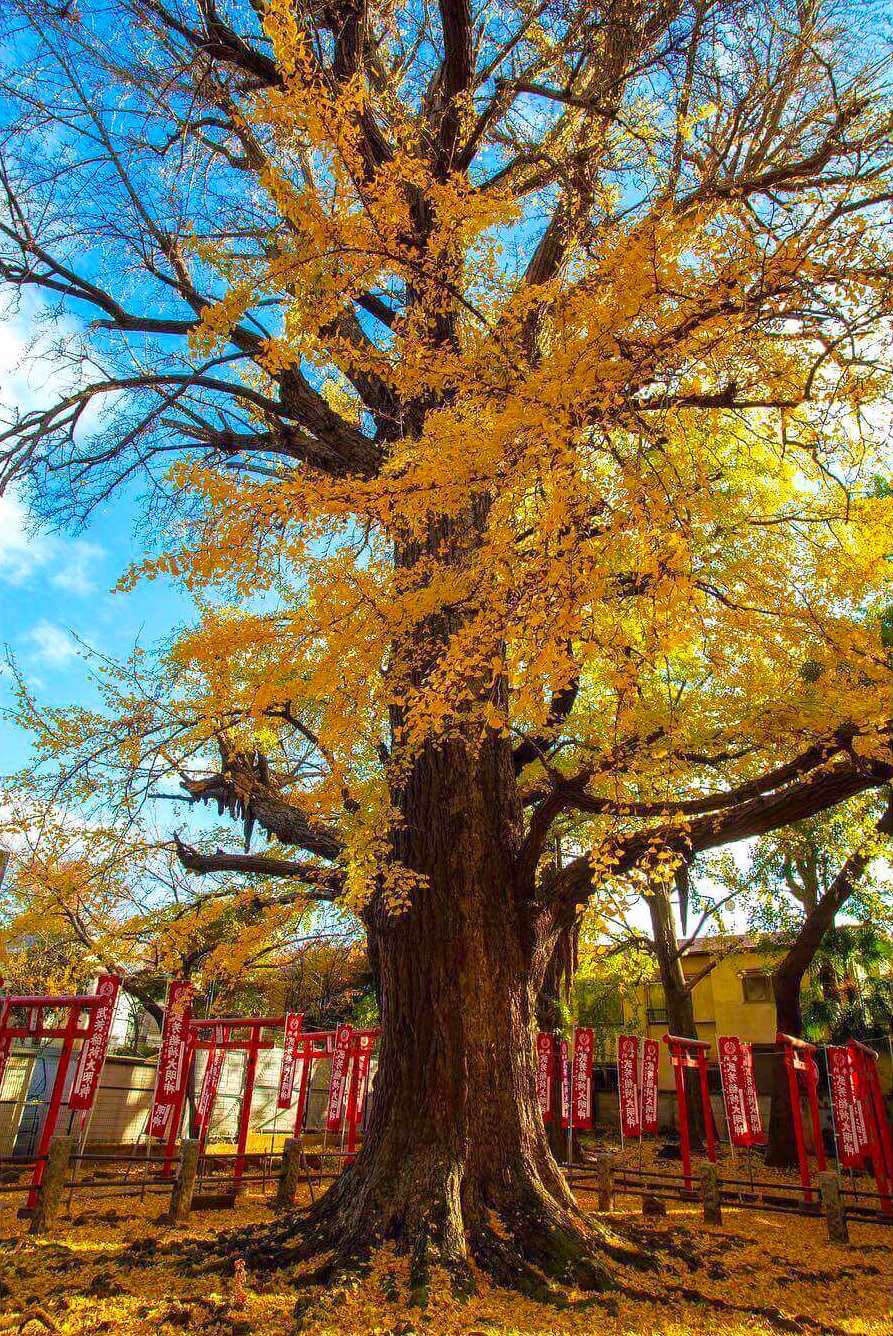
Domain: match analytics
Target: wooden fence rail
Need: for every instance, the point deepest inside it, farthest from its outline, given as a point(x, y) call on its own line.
point(208, 1180)
point(837, 1203)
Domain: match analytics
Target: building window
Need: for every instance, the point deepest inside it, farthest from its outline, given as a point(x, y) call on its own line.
point(655, 1004)
point(756, 987)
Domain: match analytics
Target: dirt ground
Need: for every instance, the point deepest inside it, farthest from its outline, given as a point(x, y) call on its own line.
point(113, 1267)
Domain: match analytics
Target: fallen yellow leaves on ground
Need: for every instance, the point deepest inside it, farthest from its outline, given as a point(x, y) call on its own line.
point(113, 1267)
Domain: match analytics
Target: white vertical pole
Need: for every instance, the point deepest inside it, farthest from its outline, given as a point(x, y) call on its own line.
point(640, 1080)
point(831, 1101)
point(619, 1095)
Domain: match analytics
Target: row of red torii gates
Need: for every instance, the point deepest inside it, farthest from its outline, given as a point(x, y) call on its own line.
point(861, 1128)
point(87, 1019)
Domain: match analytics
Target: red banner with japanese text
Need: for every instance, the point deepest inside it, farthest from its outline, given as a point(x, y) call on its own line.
point(544, 1049)
point(94, 1049)
point(650, 1069)
point(171, 1055)
point(628, 1084)
point(210, 1085)
point(751, 1097)
point(859, 1111)
point(846, 1106)
point(581, 1079)
point(160, 1119)
point(739, 1091)
point(564, 1059)
point(359, 1077)
point(5, 1038)
point(338, 1082)
point(294, 1022)
point(731, 1069)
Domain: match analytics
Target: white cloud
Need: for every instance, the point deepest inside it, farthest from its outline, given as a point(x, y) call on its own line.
point(18, 388)
point(77, 572)
point(31, 377)
point(32, 374)
point(70, 564)
point(52, 644)
point(21, 552)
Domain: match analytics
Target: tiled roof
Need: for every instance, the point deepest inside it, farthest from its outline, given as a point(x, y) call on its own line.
point(730, 941)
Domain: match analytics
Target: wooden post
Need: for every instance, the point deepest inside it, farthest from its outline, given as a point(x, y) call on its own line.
point(184, 1183)
point(289, 1174)
point(832, 1204)
point(52, 1184)
point(710, 1194)
point(604, 1173)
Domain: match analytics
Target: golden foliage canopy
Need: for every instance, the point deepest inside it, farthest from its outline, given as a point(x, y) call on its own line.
point(519, 377)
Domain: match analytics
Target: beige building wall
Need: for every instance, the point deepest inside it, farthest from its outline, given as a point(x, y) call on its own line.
point(13, 1092)
point(735, 997)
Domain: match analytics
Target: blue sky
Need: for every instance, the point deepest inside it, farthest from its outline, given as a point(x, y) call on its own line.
point(58, 588)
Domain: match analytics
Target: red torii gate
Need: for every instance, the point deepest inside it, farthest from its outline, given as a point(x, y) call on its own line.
point(350, 1051)
point(310, 1047)
point(252, 1043)
point(353, 1054)
point(691, 1053)
point(72, 1030)
point(222, 1034)
point(801, 1069)
point(863, 1063)
point(221, 1038)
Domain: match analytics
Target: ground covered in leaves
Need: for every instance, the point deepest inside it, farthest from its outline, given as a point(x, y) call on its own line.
point(113, 1267)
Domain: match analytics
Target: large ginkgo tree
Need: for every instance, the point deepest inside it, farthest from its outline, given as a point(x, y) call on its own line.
point(509, 387)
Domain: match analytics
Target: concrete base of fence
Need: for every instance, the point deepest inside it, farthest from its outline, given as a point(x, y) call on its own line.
point(832, 1205)
point(55, 1176)
point(710, 1195)
point(184, 1184)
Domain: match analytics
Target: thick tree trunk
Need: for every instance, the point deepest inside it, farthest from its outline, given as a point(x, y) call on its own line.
point(455, 1159)
point(680, 1005)
point(781, 1148)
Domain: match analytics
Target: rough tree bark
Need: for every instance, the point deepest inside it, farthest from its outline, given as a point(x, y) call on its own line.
point(456, 1160)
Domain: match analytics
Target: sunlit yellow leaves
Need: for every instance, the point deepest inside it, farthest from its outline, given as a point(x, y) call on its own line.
point(781, 1272)
point(643, 473)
